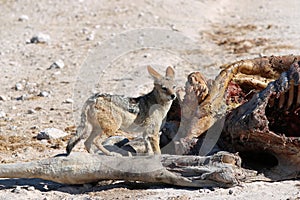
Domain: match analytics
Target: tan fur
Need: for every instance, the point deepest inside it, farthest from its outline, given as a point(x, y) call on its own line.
point(109, 113)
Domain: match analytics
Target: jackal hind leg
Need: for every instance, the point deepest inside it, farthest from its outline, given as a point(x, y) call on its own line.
point(98, 143)
point(97, 139)
point(89, 142)
point(94, 143)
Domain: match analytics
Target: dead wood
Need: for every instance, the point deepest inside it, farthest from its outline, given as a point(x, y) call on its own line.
point(222, 169)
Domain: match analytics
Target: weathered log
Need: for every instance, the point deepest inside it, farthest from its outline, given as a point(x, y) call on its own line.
point(222, 169)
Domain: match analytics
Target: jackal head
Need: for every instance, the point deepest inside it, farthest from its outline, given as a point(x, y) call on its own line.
point(164, 85)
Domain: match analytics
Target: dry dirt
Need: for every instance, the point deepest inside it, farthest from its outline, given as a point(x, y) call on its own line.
point(218, 31)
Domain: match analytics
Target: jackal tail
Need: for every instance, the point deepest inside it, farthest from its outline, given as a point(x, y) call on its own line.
point(82, 126)
point(72, 142)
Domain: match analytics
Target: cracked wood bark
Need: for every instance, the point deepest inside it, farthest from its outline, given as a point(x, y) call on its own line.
point(222, 169)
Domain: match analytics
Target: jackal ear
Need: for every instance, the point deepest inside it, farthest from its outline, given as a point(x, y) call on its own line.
point(170, 72)
point(154, 73)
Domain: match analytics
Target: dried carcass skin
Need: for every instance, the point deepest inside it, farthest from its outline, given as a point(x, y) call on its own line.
point(270, 123)
point(248, 76)
point(261, 71)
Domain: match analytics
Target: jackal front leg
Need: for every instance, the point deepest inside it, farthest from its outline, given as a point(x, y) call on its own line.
point(151, 136)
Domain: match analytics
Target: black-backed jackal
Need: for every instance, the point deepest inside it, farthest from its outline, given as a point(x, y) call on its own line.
point(109, 113)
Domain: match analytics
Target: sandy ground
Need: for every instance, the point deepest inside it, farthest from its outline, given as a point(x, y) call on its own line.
point(105, 46)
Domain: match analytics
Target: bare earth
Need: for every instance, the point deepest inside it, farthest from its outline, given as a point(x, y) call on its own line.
point(220, 31)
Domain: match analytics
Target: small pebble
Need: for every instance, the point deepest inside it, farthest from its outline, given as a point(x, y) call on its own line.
point(85, 30)
point(13, 128)
point(59, 64)
point(31, 188)
point(19, 86)
point(147, 55)
point(69, 100)
point(247, 44)
point(31, 111)
point(23, 18)
point(141, 14)
point(3, 98)
point(43, 141)
point(2, 114)
point(18, 189)
point(34, 127)
point(57, 73)
point(90, 37)
point(40, 38)
point(50, 133)
point(204, 190)
point(23, 97)
point(44, 94)
point(30, 85)
point(46, 187)
point(173, 27)
point(230, 191)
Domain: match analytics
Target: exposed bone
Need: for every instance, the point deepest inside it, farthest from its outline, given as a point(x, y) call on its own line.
point(298, 96)
point(291, 94)
point(271, 102)
point(250, 121)
point(255, 81)
point(281, 100)
point(214, 105)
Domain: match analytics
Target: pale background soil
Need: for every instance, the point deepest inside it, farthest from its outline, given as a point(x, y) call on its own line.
point(225, 31)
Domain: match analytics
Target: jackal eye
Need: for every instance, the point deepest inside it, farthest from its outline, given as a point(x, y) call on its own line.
point(174, 86)
point(164, 88)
